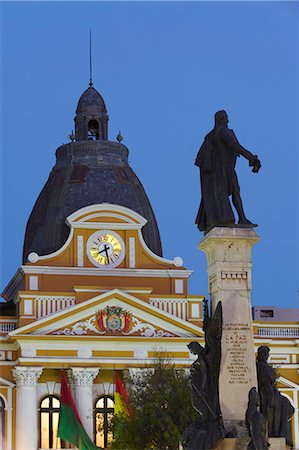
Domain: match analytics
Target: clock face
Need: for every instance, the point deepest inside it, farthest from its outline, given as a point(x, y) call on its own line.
point(105, 249)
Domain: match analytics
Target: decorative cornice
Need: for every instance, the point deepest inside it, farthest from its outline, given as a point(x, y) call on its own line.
point(97, 272)
point(83, 376)
point(122, 212)
point(26, 376)
point(228, 245)
point(228, 233)
point(97, 214)
point(112, 226)
point(13, 286)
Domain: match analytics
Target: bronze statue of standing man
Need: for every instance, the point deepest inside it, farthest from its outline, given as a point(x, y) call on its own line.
point(216, 160)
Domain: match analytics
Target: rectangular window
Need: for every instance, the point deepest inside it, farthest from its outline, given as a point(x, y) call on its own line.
point(28, 307)
point(44, 429)
point(267, 313)
point(195, 312)
point(179, 286)
point(33, 283)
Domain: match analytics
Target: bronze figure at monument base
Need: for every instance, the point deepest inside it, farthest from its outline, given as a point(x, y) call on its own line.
point(208, 428)
point(256, 423)
point(275, 407)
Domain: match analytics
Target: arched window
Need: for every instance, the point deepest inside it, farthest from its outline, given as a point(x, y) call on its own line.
point(2, 423)
point(93, 130)
point(49, 416)
point(104, 410)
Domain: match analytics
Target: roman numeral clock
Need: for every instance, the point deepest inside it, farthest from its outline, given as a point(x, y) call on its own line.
point(105, 249)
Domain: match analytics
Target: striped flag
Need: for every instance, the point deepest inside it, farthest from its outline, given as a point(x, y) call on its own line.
point(70, 427)
point(121, 402)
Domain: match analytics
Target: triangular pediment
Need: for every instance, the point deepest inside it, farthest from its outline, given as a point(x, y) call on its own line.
point(285, 383)
point(6, 383)
point(113, 313)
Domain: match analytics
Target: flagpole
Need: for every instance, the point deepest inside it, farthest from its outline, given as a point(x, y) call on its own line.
point(114, 381)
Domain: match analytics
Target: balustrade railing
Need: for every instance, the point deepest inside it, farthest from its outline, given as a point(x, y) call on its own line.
point(278, 332)
point(45, 306)
point(7, 327)
point(177, 307)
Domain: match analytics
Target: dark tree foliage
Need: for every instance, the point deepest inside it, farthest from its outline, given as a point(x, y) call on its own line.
point(161, 404)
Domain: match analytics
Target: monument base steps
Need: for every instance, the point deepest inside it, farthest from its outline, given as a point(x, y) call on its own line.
point(278, 443)
point(242, 443)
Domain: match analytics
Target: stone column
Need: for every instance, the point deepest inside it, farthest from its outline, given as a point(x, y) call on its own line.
point(228, 252)
point(83, 381)
point(26, 407)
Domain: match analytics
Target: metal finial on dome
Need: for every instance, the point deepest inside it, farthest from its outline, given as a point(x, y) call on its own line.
point(72, 136)
point(90, 61)
point(119, 137)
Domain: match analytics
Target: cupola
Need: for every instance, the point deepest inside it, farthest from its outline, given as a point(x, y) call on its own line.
point(91, 120)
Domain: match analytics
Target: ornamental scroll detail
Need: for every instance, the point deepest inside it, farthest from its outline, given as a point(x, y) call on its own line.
point(113, 320)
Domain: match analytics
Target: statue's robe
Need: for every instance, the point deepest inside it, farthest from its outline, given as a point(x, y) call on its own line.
point(217, 160)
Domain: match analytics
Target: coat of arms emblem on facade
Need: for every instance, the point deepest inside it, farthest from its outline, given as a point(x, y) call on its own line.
point(114, 318)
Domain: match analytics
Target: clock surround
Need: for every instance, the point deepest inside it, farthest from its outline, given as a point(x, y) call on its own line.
point(105, 249)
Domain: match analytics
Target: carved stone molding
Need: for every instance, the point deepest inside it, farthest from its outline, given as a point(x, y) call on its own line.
point(136, 373)
point(27, 376)
point(84, 376)
point(228, 245)
point(235, 279)
point(234, 275)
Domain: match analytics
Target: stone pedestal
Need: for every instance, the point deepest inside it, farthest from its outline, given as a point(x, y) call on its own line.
point(228, 252)
point(241, 444)
point(83, 383)
point(278, 444)
point(26, 407)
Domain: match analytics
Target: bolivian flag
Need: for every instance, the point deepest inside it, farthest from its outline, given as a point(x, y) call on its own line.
point(121, 402)
point(70, 428)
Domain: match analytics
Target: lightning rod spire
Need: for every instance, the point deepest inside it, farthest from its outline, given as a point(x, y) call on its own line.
point(90, 61)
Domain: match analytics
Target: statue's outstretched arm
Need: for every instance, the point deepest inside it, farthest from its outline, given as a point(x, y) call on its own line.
point(229, 137)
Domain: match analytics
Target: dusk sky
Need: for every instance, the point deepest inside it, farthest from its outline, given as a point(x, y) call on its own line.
point(163, 69)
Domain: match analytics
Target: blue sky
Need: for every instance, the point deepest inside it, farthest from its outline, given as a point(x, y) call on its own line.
point(164, 69)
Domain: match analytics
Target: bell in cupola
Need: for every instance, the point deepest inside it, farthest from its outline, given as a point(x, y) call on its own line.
point(91, 121)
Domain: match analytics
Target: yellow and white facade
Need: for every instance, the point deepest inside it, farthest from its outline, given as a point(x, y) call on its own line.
point(76, 313)
point(103, 302)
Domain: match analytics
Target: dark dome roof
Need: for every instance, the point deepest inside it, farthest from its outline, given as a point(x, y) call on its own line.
point(91, 103)
point(86, 173)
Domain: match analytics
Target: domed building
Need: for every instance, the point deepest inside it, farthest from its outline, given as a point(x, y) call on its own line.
point(89, 170)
